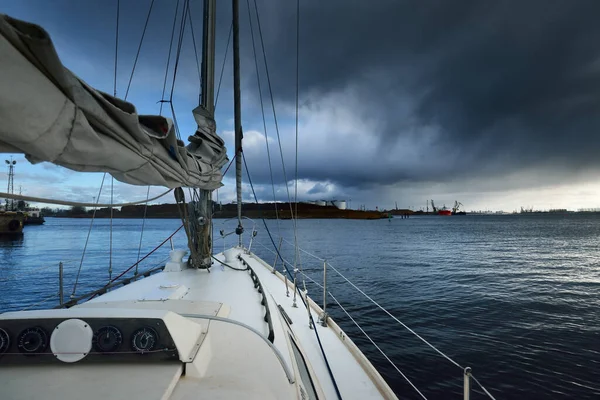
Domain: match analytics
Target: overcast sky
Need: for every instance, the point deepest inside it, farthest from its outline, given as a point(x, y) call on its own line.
point(494, 104)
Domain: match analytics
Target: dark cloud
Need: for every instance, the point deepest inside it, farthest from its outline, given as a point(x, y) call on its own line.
point(425, 97)
point(497, 86)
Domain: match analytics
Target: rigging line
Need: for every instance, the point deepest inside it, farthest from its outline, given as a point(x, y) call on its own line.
point(280, 258)
point(290, 264)
point(287, 188)
point(104, 289)
point(263, 220)
point(484, 389)
point(223, 66)
point(169, 58)
point(88, 236)
point(316, 330)
point(195, 51)
point(147, 255)
point(177, 56)
point(394, 318)
point(187, 226)
point(116, 48)
point(229, 266)
point(142, 231)
point(297, 90)
point(378, 348)
point(138, 50)
point(262, 109)
point(75, 203)
point(295, 219)
point(312, 280)
point(112, 181)
point(304, 251)
point(312, 322)
point(374, 302)
point(179, 45)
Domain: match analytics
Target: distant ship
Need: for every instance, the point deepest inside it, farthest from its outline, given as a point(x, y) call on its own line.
point(33, 217)
point(440, 211)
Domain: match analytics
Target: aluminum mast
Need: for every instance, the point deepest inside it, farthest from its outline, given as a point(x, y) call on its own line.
point(208, 103)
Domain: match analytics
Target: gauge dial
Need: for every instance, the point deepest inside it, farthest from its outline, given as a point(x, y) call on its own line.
point(32, 340)
point(4, 341)
point(107, 339)
point(144, 339)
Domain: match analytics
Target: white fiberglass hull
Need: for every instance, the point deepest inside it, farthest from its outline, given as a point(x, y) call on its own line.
point(237, 334)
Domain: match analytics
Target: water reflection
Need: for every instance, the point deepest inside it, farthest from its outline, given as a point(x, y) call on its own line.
point(10, 241)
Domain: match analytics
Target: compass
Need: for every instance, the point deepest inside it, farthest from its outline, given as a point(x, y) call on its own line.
point(107, 339)
point(4, 341)
point(32, 340)
point(144, 340)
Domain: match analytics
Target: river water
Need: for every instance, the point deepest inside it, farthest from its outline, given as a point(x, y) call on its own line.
point(514, 297)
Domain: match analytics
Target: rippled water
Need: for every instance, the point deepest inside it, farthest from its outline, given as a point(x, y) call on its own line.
point(514, 297)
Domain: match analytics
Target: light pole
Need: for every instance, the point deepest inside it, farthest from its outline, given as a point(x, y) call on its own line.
point(11, 175)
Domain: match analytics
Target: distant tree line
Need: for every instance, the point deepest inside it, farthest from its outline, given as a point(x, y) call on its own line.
point(61, 212)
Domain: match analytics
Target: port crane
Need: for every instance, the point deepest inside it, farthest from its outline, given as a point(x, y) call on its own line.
point(433, 208)
point(456, 207)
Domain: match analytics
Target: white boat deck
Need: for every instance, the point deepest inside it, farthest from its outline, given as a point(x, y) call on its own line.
point(235, 359)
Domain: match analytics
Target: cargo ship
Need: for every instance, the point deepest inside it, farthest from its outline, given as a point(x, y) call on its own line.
point(440, 211)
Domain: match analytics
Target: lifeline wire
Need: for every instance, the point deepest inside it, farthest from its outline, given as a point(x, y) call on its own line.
point(395, 319)
point(374, 344)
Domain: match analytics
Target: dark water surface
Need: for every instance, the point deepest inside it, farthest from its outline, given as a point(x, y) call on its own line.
point(514, 297)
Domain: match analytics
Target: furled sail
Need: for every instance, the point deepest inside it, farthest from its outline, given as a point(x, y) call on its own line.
point(49, 114)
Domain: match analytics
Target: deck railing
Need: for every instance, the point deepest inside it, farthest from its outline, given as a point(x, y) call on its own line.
point(466, 372)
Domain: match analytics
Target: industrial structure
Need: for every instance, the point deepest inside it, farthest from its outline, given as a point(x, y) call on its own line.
point(11, 184)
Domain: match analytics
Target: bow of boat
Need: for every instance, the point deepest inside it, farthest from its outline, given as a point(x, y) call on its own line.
point(235, 330)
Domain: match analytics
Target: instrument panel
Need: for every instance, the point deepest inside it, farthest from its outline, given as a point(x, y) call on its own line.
point(24, 341)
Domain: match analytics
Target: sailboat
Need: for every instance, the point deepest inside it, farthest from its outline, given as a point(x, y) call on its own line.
point(206, 325)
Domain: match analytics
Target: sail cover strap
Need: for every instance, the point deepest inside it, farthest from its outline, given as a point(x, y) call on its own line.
point(49, 114)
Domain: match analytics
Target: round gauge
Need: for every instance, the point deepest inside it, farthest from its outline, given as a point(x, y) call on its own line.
point(32, 340)
point(144, 339)
point(107, 339)
point(4, 341)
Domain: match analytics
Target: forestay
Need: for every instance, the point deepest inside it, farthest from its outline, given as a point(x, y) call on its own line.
point(49, 114)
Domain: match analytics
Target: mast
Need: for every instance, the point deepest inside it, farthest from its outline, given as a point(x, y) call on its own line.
point(237, 116)
point(208, 57)
point(207, 102)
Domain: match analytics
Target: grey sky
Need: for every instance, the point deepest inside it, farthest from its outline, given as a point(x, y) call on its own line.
point(495, 104)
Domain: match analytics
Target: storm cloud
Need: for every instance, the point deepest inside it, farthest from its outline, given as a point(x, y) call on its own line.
point(484, 102)
point(429, 91)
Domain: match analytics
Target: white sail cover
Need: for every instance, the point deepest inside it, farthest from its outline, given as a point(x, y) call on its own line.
point(49, 114)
